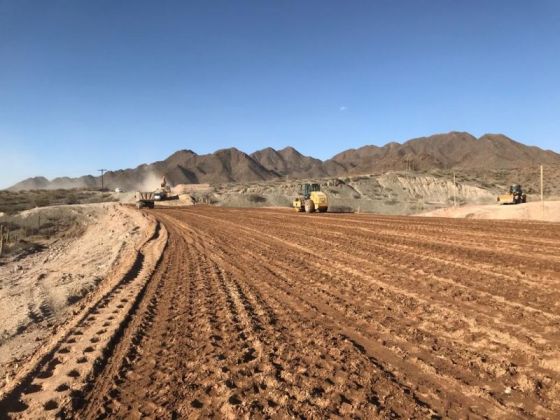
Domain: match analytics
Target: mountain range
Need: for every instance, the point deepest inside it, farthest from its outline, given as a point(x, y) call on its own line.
point(454, 150)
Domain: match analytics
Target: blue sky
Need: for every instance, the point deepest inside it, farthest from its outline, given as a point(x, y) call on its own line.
point(112, 84)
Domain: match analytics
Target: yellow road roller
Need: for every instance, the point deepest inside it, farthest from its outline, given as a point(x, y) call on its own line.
point(311, 199)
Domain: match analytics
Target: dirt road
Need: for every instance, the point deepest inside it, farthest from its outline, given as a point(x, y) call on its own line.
point(267, 312)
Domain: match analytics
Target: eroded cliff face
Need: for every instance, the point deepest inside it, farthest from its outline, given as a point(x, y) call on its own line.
point(390, 193)
point(433, 189)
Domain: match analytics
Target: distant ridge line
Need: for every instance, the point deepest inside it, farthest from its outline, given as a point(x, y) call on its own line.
point(454, 150)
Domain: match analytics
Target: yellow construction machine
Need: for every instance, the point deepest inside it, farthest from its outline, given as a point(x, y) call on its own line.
point(163, 193)
point(515, 196)
point(147, 199)
point(311, 199)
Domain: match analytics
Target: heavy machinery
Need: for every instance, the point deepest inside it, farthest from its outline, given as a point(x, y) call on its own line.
point(148, 199)
point(164, 192)
point(515, 196)
point(311, 199)
point(145, 200)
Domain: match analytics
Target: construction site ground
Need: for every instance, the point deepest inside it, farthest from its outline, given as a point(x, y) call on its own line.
point(244, 312)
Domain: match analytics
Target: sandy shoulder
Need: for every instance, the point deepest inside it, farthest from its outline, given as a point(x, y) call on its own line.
point(529, 211)
point(42, 290)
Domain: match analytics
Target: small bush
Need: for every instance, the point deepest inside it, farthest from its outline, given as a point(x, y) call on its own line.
point(256, 198)
point(74, 298)
point(42, 201)
point(71, 199)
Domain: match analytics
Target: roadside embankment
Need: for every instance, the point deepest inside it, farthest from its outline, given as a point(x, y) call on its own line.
point(550, 212)
point(43, 285)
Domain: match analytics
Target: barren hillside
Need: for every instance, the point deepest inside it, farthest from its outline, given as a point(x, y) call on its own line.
point(393, 192)
point(459, 151)
point(446, 151)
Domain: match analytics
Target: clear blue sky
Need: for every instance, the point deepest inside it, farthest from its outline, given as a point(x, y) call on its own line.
point(112, 84)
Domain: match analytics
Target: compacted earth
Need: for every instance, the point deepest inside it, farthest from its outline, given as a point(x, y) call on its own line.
point(268, 313)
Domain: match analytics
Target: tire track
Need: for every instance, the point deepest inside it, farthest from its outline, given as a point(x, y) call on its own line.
point(56, 381)
point(265, 313)
point(517, 371)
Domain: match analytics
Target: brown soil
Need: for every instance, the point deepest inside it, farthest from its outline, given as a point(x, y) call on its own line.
point(272, 313)
point(549, 212)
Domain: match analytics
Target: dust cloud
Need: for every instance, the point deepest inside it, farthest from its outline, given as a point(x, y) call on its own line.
point(151, 182)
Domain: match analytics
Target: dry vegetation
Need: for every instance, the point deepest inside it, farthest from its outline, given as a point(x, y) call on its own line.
point(21, 234)
point(30, 231)
point(14, 201)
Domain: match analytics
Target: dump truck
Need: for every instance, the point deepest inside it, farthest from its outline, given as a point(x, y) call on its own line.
point(515, 196)
point(148, 199)
point(145, 200)
point(311, 199)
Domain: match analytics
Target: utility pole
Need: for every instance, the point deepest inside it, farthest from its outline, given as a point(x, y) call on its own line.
point(454, 190)
point(1, 239)
point(102, 172)
point(542, 189)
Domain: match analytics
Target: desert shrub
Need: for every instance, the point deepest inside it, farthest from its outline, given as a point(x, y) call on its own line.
point(59, 194)
point(77, 295)
point(73, 298)
point(256, 198)
point(71, 199)
point(391, 202)
point(42, 201)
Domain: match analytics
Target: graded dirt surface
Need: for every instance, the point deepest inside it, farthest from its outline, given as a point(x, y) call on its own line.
point(270, 313)
point(550, 212)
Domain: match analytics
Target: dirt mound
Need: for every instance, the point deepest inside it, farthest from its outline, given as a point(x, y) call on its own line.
point(190, 188)
point(550, 212)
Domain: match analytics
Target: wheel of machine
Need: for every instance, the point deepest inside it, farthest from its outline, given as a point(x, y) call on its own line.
point(322, 209)
point(309, 206)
